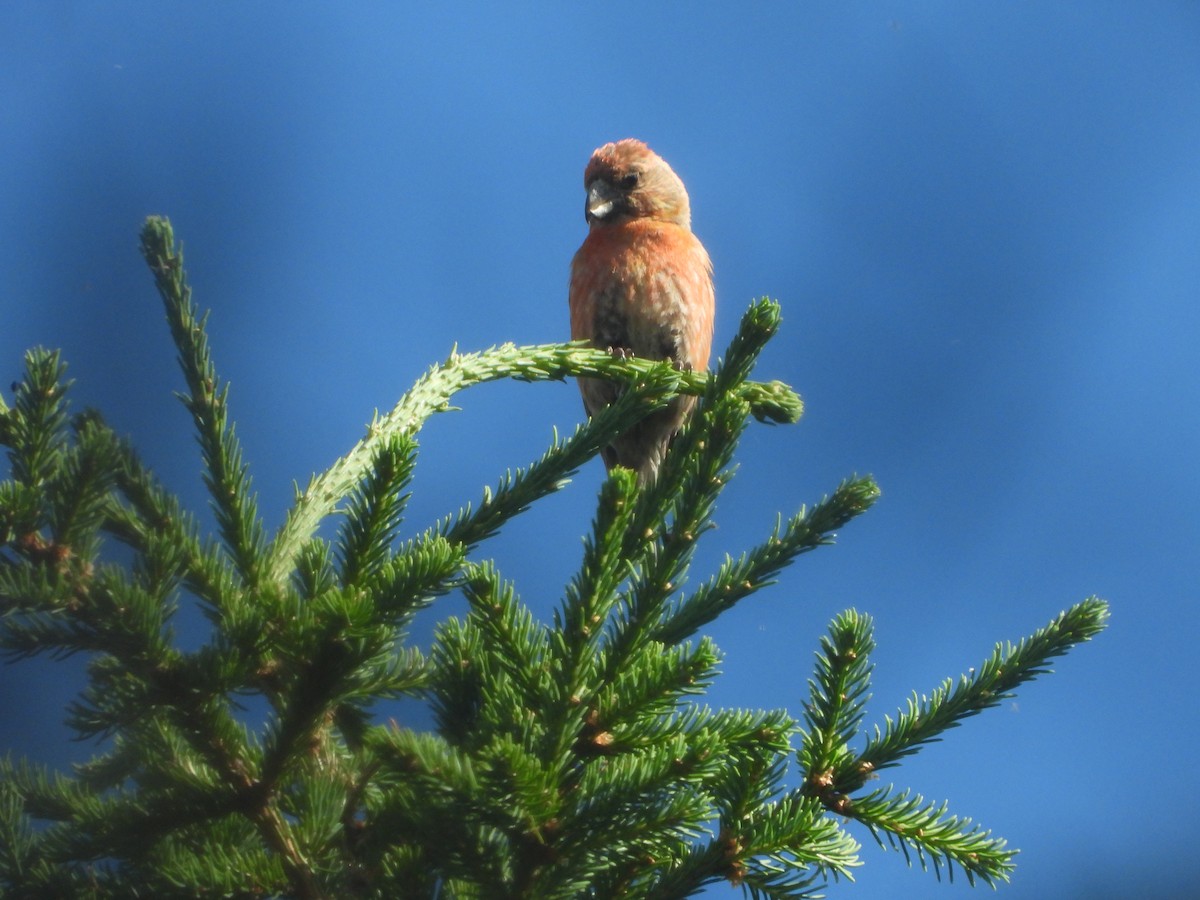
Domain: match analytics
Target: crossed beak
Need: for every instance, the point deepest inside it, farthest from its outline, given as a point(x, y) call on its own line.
point(601, 201)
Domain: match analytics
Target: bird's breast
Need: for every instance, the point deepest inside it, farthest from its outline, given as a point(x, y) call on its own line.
point(644, 289)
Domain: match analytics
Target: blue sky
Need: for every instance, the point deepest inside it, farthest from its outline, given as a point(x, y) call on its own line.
point(981, 221)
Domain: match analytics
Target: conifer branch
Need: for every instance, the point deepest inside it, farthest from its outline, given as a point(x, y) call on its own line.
point(750, 572)
point(837, 696)
point(517, 646)
point(149, 520)
point(834, 715)
point(911, 825)
point(423, 568)
point(226, 475)
point(35, 427)
point(630, 709)
point(80, 489)
point(770, 402)
point(789, 846)
point(375, 511)
point(591, 595)
point(704, 467)
point(924, 719)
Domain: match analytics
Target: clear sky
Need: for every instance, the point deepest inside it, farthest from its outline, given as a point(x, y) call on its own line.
point(981, 220)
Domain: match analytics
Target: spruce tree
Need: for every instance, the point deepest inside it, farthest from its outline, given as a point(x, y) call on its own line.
point(569, 758)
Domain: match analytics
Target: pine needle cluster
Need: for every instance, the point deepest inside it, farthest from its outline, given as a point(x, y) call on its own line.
point(569, 758)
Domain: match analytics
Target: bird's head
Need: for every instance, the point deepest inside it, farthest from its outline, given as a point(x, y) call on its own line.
point(627, 180)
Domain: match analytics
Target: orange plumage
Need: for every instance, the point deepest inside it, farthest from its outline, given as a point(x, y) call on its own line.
point(641, 284)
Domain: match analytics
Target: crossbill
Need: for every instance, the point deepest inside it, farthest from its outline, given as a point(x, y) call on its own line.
point(641, 285)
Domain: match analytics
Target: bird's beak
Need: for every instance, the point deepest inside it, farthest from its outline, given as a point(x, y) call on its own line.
point(601, 200)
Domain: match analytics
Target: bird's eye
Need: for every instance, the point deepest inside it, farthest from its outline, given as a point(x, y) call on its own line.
point(630, 181)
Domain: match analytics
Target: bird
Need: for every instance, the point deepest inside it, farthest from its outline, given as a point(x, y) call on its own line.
point(641, 285)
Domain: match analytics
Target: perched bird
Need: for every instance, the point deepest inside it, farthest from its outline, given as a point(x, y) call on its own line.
point(641, 285)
